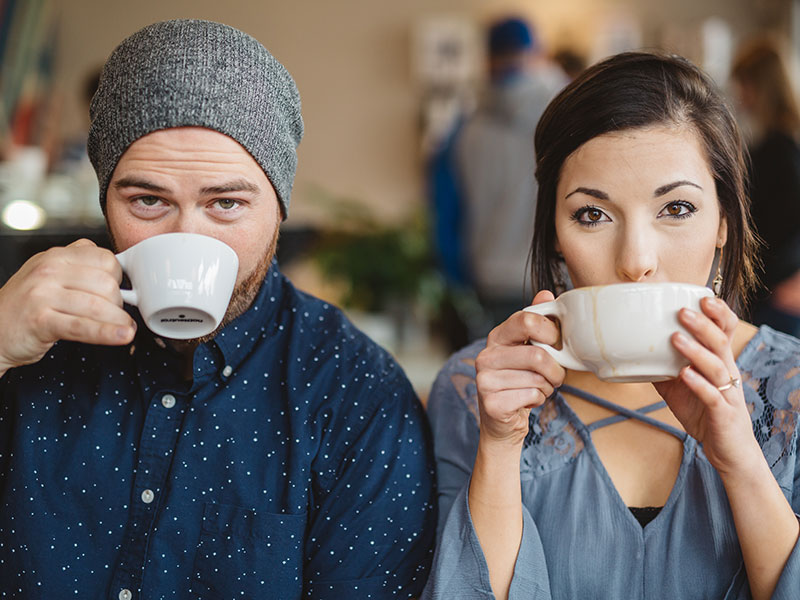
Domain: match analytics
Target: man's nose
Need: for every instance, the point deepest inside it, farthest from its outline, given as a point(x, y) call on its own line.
point(187, 222)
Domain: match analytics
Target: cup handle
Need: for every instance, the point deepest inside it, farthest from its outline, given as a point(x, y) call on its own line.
point(128, 296)
point(564, 357)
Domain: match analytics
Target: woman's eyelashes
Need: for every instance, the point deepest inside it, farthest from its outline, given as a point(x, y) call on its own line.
point(678, 209)
point(591, 216)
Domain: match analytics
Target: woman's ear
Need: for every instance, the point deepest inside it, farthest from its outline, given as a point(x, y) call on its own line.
point(722, 232)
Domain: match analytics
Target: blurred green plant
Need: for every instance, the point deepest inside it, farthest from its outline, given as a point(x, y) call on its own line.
point(381, 266)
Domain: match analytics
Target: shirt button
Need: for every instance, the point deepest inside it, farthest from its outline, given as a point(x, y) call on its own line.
point(226, 372)
point(125, 594)
point(168, 400)
point(147, 496)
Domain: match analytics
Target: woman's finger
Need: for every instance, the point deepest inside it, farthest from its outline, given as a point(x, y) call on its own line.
point(512, 379)
point(523, 326)
point(718, 311)
point(706, 365)
point(527, 357)
point(504, 406)
point(708, 393)
point(707, 332)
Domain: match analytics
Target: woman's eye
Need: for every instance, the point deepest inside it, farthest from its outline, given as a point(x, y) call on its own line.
point(678, 209)
point(590, 215)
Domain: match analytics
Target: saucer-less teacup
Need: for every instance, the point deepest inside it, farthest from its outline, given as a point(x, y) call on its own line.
point(622, 332)
point(181, 282)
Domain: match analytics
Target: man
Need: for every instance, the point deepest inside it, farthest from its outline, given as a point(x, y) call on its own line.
point(491, 161)
point(284, 456)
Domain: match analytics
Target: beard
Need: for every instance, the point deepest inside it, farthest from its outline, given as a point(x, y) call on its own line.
point(244, 293)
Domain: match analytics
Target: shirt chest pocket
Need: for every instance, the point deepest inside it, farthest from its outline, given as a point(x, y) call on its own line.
point(245, 553)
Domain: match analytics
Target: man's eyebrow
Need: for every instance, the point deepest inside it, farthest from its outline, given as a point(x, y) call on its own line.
point(140, 183)
point(666, 189)
point(589, 192)
point(237, 185)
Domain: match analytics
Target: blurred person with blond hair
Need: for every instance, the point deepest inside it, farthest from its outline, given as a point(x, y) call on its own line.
point(769, 106)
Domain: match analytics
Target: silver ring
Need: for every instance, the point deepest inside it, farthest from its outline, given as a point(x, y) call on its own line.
point(734, 382)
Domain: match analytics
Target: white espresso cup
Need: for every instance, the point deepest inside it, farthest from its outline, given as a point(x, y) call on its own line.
point(621, 332)
point(181, 282)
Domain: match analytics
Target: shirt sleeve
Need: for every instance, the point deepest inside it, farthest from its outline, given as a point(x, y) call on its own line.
point(459, 568)
point(452, 410)
point(376, 497)
point(789, 582)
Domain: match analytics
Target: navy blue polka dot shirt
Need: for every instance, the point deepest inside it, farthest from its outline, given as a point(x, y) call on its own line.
point(295, 464)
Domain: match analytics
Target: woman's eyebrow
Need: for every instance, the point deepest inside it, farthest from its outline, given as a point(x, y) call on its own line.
point(666, 189)
point(589, 192)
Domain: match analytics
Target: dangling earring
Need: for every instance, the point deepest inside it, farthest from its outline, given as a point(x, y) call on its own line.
point(716, 285)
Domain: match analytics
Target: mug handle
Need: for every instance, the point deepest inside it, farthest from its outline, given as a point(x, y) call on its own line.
point(564, 357)
point(128, 296)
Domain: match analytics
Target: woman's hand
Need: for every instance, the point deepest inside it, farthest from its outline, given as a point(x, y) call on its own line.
point(711, 410)
point(514, 376)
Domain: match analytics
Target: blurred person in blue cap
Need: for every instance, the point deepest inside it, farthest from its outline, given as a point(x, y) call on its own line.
point(485, 190)
point(284, 455)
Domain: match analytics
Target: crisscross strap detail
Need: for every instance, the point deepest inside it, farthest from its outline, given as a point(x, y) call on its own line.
point(623, 413)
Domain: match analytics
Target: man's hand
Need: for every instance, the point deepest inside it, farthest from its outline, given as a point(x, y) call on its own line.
point(67, 293)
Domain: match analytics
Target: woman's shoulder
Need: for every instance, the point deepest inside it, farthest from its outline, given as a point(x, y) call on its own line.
point(770, 353)
point(770, 370)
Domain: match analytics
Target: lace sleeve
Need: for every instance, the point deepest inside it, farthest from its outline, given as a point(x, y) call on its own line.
point(770, 370)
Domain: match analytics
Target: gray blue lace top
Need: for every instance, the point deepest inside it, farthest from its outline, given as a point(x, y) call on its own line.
point(579, 538)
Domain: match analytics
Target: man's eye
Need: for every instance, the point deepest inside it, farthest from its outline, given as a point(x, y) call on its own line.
point(148, 200)
point(227, 204)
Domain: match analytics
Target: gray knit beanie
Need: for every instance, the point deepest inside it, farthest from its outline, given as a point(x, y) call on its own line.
point(186, 73)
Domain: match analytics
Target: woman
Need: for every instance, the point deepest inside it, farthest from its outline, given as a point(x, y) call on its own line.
point(766, 96)
point(555, 484)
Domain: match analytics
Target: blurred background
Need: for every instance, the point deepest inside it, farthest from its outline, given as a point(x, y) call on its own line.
point(383, 84)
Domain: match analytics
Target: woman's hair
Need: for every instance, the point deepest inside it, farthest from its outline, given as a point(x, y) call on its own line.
point(634, 90)
point(760, 67)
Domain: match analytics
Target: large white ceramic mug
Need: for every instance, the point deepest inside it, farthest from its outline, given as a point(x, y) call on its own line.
point(181, 282)
point(621, 332)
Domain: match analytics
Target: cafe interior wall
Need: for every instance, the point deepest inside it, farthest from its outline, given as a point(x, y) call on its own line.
point(354, 66)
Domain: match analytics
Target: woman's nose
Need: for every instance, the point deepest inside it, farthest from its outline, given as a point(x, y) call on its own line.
point(637, 258)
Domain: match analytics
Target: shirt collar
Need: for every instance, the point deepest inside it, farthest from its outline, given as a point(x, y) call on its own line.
point(259, 321)
point(225, 352)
